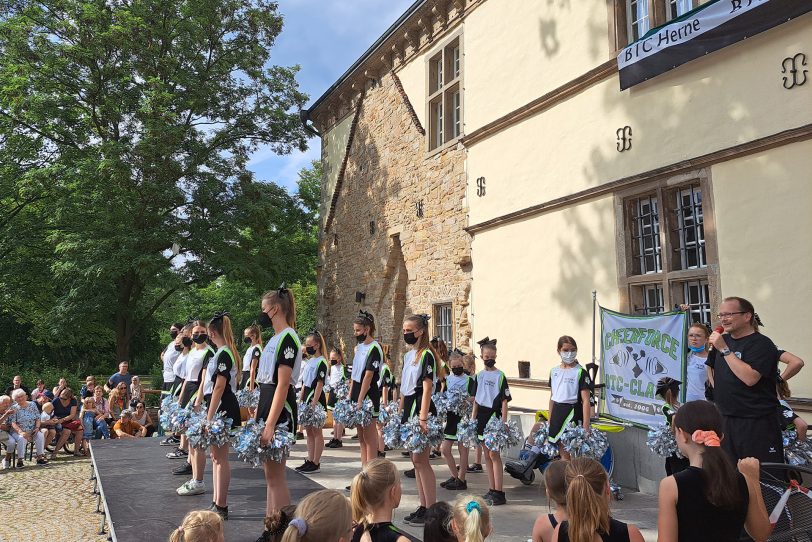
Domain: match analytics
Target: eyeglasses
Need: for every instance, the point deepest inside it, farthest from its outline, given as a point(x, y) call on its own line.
point(729, 314)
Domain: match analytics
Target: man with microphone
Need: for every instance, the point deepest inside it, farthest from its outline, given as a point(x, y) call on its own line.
point(745, 364)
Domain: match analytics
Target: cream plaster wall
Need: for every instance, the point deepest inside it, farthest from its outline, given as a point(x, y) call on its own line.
point(764, 234)
point(413, 78)
point(333, 148)
point(726, 98)
point(532, 282)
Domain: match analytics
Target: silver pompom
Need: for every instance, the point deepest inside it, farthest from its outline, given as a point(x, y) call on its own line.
point(466, 433)
point(455, 401)
point(413, 437)
point(346, 413)
point(247, 398)
point(541, 439)
point(388, 411)
point(500, 435)
point(341, 390)
point(203, 433)
point(661, 441)
point(796, 452)
point(391, 432)
point(310, 415)
point(247, 445)
point(578, 443)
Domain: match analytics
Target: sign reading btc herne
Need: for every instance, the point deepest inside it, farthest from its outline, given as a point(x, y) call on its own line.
point(707, 28)
point(637, 351)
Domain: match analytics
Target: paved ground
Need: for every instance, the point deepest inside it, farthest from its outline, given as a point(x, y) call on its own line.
point(27, 498)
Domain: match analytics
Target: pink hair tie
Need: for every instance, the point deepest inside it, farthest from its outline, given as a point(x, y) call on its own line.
point(708, 438)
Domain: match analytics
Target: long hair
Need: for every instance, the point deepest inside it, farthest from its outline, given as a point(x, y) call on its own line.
point(326, 515)
point(198, 526)
point(370, 486)
point(587, 502)
point(438, 523)
point(423, 342)
point(566, 339)
point(472, 518)
point(440, 347)
point(255, 332)
point(747, 308)
point(286, 303)
point(555, 482)
point(718, 472)
point(340, 355)
point(319, 338)
point(278, 522)
point(222, 326)
point(366, 320)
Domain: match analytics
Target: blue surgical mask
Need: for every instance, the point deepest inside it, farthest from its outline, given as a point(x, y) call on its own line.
point(696, 349)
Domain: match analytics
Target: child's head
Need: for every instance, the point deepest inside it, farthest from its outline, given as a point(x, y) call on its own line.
point(471, 521)
point(698, 335)
point(438, 523)
point(469, 362)
point(323, 516)
point(89, 402)
point(568, 349)
point(199, 526)
point(278, 522)
point(488, 351)
point(48, 408)
point(587, 498)
point(376, 485)
point(555, 484)
point(455, 363)
point(136, 380)
point(668, 389)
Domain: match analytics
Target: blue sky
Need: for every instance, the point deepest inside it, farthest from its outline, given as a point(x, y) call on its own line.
point(324, 37)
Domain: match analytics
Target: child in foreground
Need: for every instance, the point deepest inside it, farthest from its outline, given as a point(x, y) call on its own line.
point(199, 526)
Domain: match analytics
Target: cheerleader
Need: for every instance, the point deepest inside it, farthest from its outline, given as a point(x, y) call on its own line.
point(417, 384)
point(279, 367)
point(198, 358)
point(252, 336)
point(182, 343)
point(469, 369)
point(386, 384)
point(668, 391)
point(366, 366)
point(492, 396)
point(338, 372)
point(315, 373)
point(219, 393)
point(569, 393)
point(440, 385)
point(457, 380)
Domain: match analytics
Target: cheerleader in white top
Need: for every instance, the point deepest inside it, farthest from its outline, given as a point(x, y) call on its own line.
point(417, 384)
point(338, 372)
point(569, 393)
point(456, 380)
point(366, 366)
point(314, 374)
point(252, 336)
point(279, 367)
point(492, 396)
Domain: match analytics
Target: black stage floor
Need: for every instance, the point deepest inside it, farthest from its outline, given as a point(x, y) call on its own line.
point(138, 491)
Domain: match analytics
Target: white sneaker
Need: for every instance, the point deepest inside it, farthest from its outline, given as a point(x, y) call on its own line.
point(3, 464)
point(192, 487)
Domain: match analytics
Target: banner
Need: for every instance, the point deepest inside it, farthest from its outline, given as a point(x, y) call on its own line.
point(636, 352)
point(703, 30)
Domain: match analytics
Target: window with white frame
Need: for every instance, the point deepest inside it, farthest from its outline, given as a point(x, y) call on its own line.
point(444, 323)
point(445, 104)
point(637, 17)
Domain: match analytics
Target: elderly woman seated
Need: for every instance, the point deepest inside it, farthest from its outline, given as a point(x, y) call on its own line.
point(5, 413)
point(126, 427)
point(25, 428)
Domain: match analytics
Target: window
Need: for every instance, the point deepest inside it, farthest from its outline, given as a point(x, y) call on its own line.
point(634, 18)
point(445, 94)
point(677, 8)
point(444, 323)
point(666, 258)
point(637, 15)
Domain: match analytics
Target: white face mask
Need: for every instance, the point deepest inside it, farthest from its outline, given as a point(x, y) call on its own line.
point(568, 357)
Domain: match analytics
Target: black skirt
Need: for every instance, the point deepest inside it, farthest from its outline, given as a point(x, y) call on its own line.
point(483, 416)
point(188, 391)
point(374, 395)
point(411, 406)
point(331, 400)
point(228, 406)
point(563, 414)
point(288, 414)
point(452, 422)
point(308, 396)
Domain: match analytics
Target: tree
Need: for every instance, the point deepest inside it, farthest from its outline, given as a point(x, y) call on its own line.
point(129, 124)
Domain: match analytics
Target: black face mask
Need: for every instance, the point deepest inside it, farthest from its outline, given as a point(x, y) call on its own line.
point(173, 333)
point(247, 340)
point(409, 338)
point(489, 362)
point(187, 341)
point(310, 350)
point(361, 338)
point(200, 339)
point(178, 347)
point(457, 371)
point(264, 320)
point(333, 362)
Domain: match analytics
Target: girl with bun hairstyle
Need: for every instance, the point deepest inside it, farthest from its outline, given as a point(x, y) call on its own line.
point(323, 516)
point(472, 520)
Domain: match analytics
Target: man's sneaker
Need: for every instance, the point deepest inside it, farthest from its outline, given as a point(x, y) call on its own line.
point(170, 441)
point(476, 467)
point(457, 485)
point(419, 517)
point(303, 466)
point(409, 473)
point(420, 510)
point(177, 454)
point(445, 484)
point(192, 487)
point(183, 470)
point(310, 468)
point(497, 498)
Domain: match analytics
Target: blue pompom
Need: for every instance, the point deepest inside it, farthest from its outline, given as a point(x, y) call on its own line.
point(312, 416)
point(500, 435)
point(247, 398)
point(661, 441)
point(577, 443)
point(247, 443)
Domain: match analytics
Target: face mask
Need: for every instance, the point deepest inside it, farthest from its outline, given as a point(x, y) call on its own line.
point(489, 362)
point(187, 341)
point(333, 362)
point(457, 371)
point(264, 320)
point(200, 339)
point(361, 338)
point(247, 340)
point(409, 338)
point(568, 357)
point(173, 333)
point(178, 347)
point(696, 349)
point(310, 350)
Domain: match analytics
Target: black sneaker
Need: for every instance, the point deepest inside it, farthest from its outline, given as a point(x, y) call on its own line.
point(348, 488)
point(487, 495)
point(310, 468)
point(419, 517)
point(170, 441)
point(177, 454)
point(476, 467)
point(409, 473)
point(299, 436)
point(457, 485)
point(212, 507)
point(381, 454)
point(420, 510)
point(406, 454)
point(445, 484)
point(222, 511)
point(435, 455)
point(183, 470)
point(496, 498)
point(331, 444)
point(303, 466)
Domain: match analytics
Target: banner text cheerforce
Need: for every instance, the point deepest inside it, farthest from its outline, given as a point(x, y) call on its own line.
point(664, 342)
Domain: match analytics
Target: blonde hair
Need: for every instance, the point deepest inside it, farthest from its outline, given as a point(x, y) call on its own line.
point(472, 519)
point(370, 486)
point(286, 303)
point(325, 516)
point(87, 400)
point(198, 526)
point(222, 326)
point(319, 338)
point(587, 502)
point(256, 332)
point(47, 407)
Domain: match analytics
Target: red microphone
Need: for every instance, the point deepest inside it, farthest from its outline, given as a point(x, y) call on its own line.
point(719, 329)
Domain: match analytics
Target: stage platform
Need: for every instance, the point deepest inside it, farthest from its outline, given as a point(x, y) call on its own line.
point(138, 492)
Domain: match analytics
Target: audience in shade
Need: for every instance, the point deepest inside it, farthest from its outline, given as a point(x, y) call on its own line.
point(122, 376)
point(118, 400)
point(89, 388)
point(25, 428)
point(142, 417)
point(127, 427)
point(136, 392)
point(17, 383)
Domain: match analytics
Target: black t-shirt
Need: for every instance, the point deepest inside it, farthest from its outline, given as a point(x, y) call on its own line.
point(11, 388)
point(618, 532)
point(428, 370)
point(734, 397)
point(699, 520)
point(62, 411)
point(222, 367)
point(380, 532)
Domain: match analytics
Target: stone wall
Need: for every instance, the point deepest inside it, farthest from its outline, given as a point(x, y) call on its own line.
point(377, 244)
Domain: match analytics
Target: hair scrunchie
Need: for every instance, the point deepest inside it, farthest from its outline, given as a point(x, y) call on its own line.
point(471, 506)
point(300, 524)
point(708, 438)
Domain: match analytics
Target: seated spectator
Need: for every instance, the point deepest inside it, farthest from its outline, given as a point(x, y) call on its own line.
point(66, 414)
point(126, 427)
point(438, 523)
point(136, 392)
point(90, 424)
point(556, 488)
point(57, 391)
point(25, 428)
point(5, 413)
point(48, 426)
point(122, 376)
point(89, 387)
point(472, 519)
point(118, 400)
point(17, 383)
point(40, 386)
point(199, 526)
point(102, 409)
point(142, 416)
